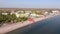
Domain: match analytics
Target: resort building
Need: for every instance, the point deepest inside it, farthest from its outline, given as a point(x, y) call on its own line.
point(55, 12)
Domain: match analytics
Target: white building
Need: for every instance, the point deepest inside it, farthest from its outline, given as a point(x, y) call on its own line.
point(4, 13)
point(46, 13)
point(19, 12)
point(33, 15)
point(55, 12)
point(16, 13)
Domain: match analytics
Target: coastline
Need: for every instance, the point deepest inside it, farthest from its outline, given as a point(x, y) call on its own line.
point(11, 27)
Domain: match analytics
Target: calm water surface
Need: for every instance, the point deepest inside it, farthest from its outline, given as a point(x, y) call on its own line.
point(48, 26)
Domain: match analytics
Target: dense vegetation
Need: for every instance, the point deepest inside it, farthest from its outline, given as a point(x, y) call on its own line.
point(11, 18)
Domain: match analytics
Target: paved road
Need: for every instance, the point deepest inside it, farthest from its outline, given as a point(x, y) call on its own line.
point(48, 26)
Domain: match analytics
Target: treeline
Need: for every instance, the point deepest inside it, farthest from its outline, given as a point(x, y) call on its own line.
point(11, 18)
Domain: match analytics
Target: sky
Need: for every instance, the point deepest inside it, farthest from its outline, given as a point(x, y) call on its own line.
point(30, 4)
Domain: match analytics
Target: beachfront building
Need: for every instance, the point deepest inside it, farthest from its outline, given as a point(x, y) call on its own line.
point(16, 13)
point(55, 11)
point(46, 13)
point(22, 13)
point(36, 16)
point(4, 13)
point(33, 15)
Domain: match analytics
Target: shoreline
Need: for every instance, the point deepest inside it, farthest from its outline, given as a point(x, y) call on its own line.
point(14, 26)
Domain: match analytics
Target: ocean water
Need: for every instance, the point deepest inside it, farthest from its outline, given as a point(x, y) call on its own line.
point(48, 26)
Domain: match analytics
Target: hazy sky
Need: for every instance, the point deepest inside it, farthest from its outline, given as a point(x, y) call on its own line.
point(29, 3)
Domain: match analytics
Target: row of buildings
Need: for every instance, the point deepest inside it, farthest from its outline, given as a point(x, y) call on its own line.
point(29, 13)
